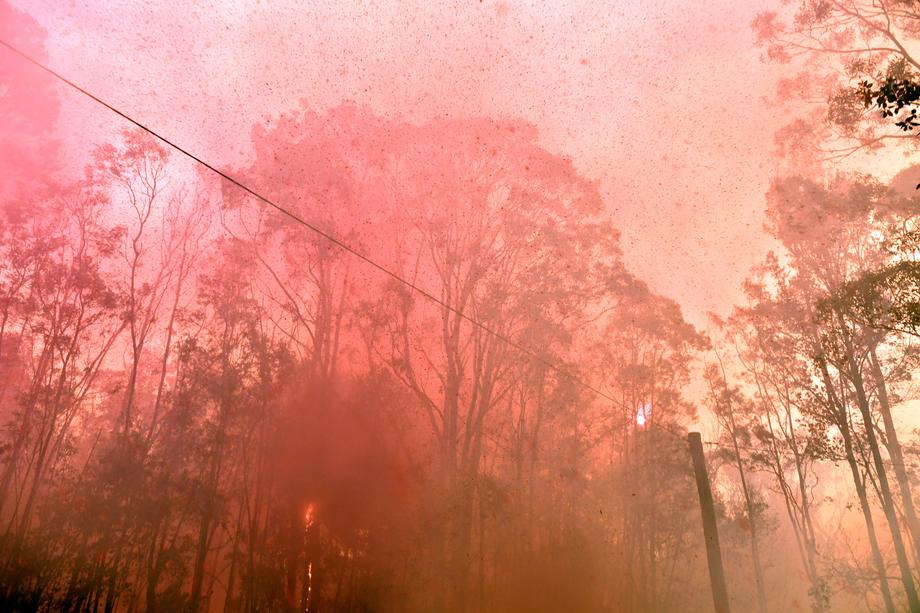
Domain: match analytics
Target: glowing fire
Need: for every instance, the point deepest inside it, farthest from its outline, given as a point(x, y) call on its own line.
point(643, 415)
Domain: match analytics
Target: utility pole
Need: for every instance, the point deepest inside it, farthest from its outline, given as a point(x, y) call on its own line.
point(710, 530)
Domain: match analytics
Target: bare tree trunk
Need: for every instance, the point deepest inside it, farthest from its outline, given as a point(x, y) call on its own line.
point(843, 425)
point(887, 501)
point(870, 526)
point(897, 456)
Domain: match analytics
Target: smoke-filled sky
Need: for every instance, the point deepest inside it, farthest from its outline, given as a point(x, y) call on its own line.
point(665, 103)
point(187, 421)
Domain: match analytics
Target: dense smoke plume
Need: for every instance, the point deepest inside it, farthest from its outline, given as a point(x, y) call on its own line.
point(426, 324)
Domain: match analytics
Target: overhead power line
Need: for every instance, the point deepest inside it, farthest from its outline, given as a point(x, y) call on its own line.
point(324, 234)
point(314, 228)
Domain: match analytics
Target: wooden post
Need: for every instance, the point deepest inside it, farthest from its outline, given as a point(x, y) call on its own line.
point(710, 530)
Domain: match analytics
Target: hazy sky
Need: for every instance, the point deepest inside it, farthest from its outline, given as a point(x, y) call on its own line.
point(662, 102)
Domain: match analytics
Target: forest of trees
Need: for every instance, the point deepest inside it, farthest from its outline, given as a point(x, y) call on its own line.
point(207, 405)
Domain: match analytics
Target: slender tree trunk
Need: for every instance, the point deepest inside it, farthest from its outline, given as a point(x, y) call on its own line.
point(749, 506)
point(887, 500)
point(843, 425)
point(799, 516)
point(870, 526)
point(201, 554)
point(897, 456)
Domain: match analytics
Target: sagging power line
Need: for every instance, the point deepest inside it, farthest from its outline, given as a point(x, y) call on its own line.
point(336, 241)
